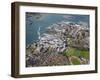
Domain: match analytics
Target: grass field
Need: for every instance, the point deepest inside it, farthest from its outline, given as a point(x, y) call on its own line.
point(78, 53)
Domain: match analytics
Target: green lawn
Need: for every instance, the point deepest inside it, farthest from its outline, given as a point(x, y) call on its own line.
point(75, 61)
point(76, 52)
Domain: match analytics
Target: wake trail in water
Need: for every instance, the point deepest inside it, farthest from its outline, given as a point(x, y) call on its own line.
point(38, 32)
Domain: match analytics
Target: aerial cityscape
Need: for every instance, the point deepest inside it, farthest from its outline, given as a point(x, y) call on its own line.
point(56, 39)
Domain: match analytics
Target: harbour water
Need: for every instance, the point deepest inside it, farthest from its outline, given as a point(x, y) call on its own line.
point(37, 23)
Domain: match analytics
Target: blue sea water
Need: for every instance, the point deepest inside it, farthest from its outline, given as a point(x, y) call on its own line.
point(44, 20)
